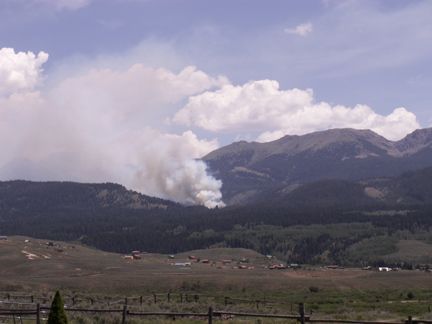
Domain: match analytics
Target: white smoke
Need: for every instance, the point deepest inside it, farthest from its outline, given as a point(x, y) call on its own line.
point(100, 126)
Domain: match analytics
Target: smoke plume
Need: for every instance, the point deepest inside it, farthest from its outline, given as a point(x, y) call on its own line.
point(104, 125)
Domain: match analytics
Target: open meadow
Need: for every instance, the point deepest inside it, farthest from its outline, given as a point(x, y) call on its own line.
point(229, 279)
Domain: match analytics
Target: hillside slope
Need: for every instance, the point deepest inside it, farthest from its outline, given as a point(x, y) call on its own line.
point(35, 196)
point(249, 170)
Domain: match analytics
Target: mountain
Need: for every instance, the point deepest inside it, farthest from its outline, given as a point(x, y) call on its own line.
point(252, 170)
point(36, 196)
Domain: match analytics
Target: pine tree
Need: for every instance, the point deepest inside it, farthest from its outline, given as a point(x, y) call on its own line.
point(57, 314)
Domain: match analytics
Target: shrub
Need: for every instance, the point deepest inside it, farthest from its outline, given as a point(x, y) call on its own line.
point(57, 314)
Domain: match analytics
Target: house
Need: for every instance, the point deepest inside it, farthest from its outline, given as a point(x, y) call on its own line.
point(279, 266)
point(193, 258)
point(333, 267)
point(384, 269)
point(182, 264)
point(3, 238)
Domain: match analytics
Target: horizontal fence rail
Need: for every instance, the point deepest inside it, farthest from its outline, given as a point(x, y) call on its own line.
point(127, 308)
point(209, 316)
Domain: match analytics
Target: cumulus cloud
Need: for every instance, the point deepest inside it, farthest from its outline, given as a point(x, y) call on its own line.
point(97, 126)
point(300, 30)
point(260, 106)
point(20, 71)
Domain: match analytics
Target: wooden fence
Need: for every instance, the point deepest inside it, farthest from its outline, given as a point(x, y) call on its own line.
point(209, 316)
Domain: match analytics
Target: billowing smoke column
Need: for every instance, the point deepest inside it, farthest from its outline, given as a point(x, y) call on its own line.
point(103, 125)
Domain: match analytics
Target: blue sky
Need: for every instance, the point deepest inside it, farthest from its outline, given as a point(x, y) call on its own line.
point(133, 91)
point(372, 52)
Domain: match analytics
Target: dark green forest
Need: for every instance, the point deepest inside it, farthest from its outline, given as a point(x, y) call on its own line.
point(111, 218)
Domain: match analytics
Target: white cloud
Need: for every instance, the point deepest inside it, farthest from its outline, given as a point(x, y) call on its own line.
point(261, 107)
point(97, 126)
point(20, 71)
point(65, 4)
point(300, 30)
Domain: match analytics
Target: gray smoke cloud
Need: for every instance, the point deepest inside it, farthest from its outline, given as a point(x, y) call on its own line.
point(102, 125)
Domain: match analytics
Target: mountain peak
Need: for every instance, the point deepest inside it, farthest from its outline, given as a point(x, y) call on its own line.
point(249, 168)
point(416, 141)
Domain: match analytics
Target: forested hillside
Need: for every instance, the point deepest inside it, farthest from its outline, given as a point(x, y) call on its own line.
point(330, 221)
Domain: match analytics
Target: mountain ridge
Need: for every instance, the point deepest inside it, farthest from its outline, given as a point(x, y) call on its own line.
point(247, 169)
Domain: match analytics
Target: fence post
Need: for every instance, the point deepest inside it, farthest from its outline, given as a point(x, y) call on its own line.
point(126, 301)
point(32, 299)
point(38, 313)
point(210, 315)
point(154, 298)
point(124, 314)
point(141, 300)
point(409, 320)
point(169, 297)
point(302, 313)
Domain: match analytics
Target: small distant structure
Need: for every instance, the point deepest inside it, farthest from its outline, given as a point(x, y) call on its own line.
point(367, 268)
point(193, 258)
point(182, 264)
point(50, 243)
point(295, 266)
point(384, 269)
point(279, 266)
point(26, 241)
point(171, 256)
point(3, 238)
point(333, 267)
point(226, 261)
point(269, 256)
point(205, 261)
point(136, 255)
point(128, 257)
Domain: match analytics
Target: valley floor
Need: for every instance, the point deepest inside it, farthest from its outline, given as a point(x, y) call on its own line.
point(38, 267)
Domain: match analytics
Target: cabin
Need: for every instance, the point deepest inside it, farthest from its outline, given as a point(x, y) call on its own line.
point(279, 266)
point(333, 267)
point(183, 264)
point(136, 255)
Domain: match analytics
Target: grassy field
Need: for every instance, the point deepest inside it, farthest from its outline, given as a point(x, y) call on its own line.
point(30, 266)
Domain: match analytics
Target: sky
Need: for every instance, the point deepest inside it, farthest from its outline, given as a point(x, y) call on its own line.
point(135, 91)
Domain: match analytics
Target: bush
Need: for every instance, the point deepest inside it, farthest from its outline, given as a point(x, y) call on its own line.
point(57, 314)
point(313, 289)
